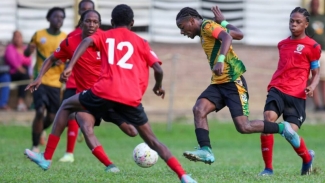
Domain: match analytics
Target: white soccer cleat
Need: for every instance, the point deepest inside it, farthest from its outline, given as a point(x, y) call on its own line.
point(67, 158)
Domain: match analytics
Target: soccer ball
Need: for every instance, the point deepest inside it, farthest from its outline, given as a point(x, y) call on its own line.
point(144, 156)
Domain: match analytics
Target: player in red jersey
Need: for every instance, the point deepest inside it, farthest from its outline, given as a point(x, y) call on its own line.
point(287, 91)
point(73, 129)
point(125, 72)
point(87, 72)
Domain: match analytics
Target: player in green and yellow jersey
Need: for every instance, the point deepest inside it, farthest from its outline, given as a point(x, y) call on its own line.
point(47, 96)
point(228, 86)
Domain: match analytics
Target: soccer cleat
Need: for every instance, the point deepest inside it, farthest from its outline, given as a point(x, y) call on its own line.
point(307, 168)
point(203, 154)
point(291, 136)
point(266, 172)
point(80, 136)
point(67, 158)
point(38, 158)
point(187, 179)
point(112, 168)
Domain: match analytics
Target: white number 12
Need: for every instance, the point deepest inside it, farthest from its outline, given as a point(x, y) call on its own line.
point(122, 62)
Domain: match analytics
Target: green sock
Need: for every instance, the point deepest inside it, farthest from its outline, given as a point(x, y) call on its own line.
point(281, 127)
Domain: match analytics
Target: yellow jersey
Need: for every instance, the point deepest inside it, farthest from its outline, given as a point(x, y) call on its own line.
point(46, 44)
point(233, 67)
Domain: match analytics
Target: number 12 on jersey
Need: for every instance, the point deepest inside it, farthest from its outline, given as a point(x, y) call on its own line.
point(122, 62)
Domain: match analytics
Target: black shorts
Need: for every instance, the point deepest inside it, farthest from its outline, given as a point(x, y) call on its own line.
point(293, 109)
point(47, 96)
point(69, 92)
point(100, 107)
point(234, 95)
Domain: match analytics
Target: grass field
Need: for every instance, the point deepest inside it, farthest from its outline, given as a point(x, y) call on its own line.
point(238, 157)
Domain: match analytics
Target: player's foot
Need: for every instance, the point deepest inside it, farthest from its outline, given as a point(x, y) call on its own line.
point(291, 136)
point(266, 172)
point(42, 140)
point(203, 154)
point(38, 158)
point(35, 149)
point(67, 158)
point(187, 179)
point(308, 167)
point(80, 136)
point(112, 168)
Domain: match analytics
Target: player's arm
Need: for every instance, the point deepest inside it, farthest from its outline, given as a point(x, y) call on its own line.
point(234, 32)
point(77, 54)
point(30, 47)
point(45, 67)
point(158, 73)
point(315, 70)
point(220, 34)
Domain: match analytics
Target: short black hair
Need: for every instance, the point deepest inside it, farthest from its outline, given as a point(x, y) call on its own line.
point(122, 15)
point(83, 15)
point(187, 11)
point(84, 1)
point(52, 10)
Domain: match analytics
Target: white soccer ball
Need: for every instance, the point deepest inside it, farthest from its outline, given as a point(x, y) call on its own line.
point(144, 156)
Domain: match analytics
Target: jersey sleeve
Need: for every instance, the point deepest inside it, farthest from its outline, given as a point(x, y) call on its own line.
point(212, 29)
point(97, 39)
point(62, 52)
point(149, 55)
point(315, 52)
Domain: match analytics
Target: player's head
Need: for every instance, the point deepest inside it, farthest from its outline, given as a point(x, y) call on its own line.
point(89, 22)
point(55, 16)
point(17, 38)
point(122, 16)
point(299, 21)
point(188, 20)
point(85, 5)
point(314, 6)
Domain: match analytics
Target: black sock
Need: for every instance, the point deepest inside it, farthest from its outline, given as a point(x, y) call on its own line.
point(202, 137)
point(270, 127)
point(35, 138)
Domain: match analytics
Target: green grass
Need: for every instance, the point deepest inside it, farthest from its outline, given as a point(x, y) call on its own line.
point(238, 157)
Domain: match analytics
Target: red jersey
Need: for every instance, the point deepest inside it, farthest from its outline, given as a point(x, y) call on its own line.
point(87, 68)
point(71, 83)
point(294, 65)
point(126, 58)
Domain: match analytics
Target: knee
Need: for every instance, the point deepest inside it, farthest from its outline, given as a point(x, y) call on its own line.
point(243, 128)
point(199, 111)
point(87, 130)
point(39, 113)
point(268, 116)
point(132, 132)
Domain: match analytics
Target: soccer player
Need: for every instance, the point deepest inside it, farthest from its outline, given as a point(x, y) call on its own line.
point(125, 67)
point(48, 94)
point(71, 89)
point(228, 86)
point(299, 55)
point(89, 65)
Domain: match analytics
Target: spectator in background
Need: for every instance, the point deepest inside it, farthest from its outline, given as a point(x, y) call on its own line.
point(316, 30)
point(4, 90)
point(19, 66)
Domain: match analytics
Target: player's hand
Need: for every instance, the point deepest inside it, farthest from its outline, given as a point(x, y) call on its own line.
point(67, 72)
point(63, 78)
point(32, 47)
point(159, 91)
point(218, 16)
point(309, 91)
point(218, 68)
point(34, 85)
point(58, 62)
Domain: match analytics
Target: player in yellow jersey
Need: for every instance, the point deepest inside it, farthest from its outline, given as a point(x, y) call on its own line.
point(228, 86)
point(47, 96)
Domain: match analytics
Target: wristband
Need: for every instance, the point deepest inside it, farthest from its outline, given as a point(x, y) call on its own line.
point(221, 58)
point(224, 23)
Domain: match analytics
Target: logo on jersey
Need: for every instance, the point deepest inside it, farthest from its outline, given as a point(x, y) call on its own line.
point(98, 55)
point(43, 40)
point(299, 48)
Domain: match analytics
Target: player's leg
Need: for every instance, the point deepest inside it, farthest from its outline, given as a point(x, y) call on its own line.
point(40, 99)
point(72, 131)
point(87, 122)
point(210, 100)
point(138, 118)
point(68, 106)
point(294, 113)
point(127, 128)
